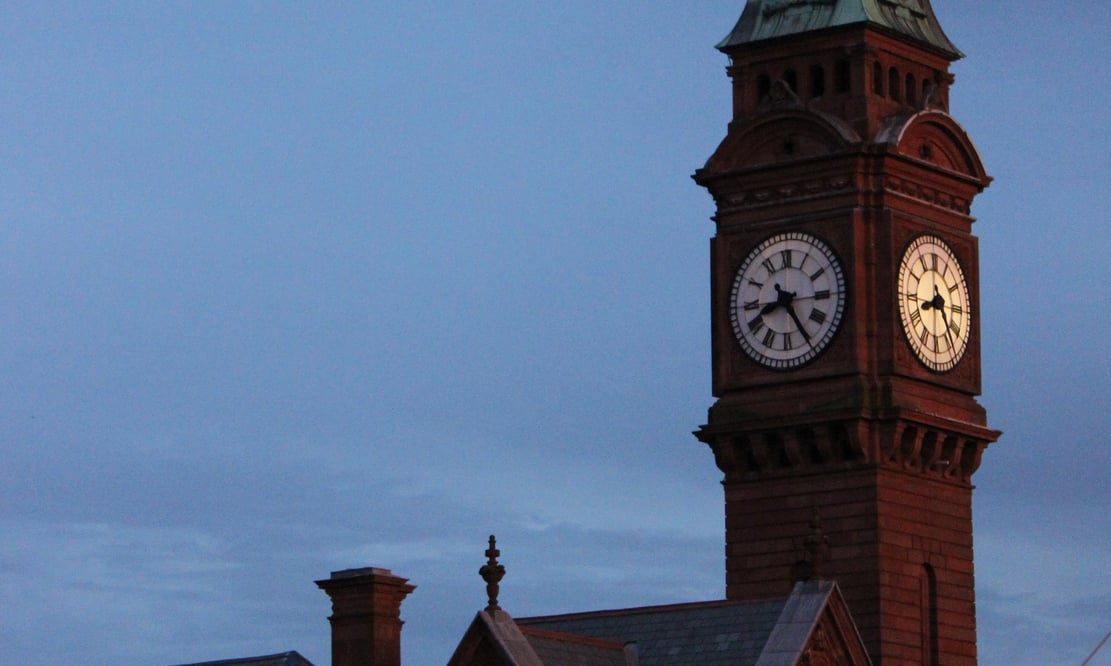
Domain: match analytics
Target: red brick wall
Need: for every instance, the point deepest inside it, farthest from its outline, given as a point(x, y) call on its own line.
point(883, 527)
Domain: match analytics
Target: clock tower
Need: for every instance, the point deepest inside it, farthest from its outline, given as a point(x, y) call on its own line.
point(846, 329)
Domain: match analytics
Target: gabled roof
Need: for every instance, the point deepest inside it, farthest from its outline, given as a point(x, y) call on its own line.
point(495, 639)
point(553, 647)
point(775, 632)
point(291, 658)
point(768, 19)
point(815, 619)
point(812, 623)
point(707, 633)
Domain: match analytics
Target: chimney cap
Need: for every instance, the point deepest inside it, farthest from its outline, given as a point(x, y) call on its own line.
point(363, 571)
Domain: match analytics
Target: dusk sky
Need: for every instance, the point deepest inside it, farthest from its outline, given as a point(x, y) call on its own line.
point(287, 288)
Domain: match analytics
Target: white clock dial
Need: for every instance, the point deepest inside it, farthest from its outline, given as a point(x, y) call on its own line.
point(934, 304)
point(787, 301)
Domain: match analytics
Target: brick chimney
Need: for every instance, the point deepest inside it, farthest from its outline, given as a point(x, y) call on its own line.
point(366, 616)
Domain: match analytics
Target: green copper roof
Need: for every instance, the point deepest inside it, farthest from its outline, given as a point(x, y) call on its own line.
point(768, 19)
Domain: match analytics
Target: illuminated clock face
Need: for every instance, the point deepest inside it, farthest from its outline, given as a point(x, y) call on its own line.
point(933, 303)
point(787, 301)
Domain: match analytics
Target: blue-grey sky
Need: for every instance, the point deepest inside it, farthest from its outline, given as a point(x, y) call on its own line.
point(287, 288)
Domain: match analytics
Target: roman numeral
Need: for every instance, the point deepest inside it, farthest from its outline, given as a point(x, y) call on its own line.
point(957, 310)
point(954, 328)
point(817, 274)
point(768, 265)
point(756, 325)
point(788, 343)
point(817, 316)
point(769, 338)
point(787, 259)
point(822, 295)
point(754, 283)
point(915, 318)
point(752, 305)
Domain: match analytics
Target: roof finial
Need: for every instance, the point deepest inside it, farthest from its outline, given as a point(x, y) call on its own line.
point(816, 544)
point(815, 548)
point(492, 572)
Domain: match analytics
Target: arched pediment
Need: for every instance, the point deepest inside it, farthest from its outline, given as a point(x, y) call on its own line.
point(782, 136)
point(933, 136)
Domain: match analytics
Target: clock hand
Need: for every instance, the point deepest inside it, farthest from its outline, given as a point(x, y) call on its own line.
point(938, 303)
point(944, 320)
point(782, 298)
point(935, 303)
point(795, 318)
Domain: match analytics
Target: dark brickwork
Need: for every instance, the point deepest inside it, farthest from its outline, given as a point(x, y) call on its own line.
point(884, 528)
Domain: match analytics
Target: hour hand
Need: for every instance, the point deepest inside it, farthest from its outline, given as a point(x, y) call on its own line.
point(782, 297)
point(936, 303)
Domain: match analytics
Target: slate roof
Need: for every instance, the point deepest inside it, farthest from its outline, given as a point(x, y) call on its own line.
point(768, 19)
point(558, 648)
point(291, 658)
point(707, 633)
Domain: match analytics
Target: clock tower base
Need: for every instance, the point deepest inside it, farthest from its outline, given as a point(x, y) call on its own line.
point(883, 506)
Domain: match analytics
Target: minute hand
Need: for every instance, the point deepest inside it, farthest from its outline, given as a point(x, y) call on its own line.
point(795, 318)
point(945, 321)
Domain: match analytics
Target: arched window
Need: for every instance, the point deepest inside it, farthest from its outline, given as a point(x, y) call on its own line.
point(877, 79)
point(926, 87)
point(893, 84)
point(842, 77)
point(912, 89)
point(928, 591)
point(792, 79)
point(817, 81)
point(763, 85)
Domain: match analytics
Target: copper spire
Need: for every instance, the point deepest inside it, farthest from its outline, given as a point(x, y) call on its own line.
point(492, 572)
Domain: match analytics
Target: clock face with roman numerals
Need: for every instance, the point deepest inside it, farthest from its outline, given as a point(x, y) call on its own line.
point(933, 303)
point(787, 300)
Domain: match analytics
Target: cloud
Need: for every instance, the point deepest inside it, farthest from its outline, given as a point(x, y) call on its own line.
point(1040, 600)
point(99, 582)
point(1024, 630)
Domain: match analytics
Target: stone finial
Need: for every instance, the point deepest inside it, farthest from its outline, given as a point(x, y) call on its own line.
point(492, 572)
point(816, 545)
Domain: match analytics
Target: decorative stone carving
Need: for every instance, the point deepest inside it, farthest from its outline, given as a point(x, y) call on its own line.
point(783, 193)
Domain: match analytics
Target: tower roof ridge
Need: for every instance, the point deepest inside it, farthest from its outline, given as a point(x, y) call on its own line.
point(769, 19)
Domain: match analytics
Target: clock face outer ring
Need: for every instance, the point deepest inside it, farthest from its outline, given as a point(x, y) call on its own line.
point(934, 304)
point(787, 300)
